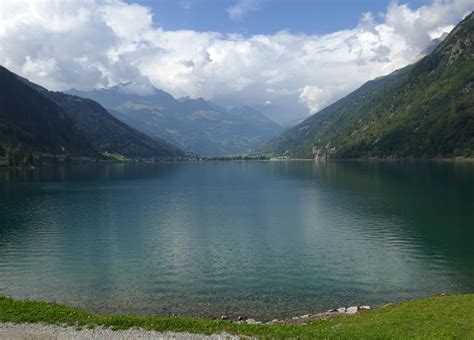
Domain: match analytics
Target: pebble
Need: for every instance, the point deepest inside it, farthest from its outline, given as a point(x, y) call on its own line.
point(252, 322)
point(351, 310)
point(22, 331)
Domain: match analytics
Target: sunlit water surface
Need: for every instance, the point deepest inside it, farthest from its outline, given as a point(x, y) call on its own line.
point(258, 239)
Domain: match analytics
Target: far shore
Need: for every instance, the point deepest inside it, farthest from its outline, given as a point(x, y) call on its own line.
point(82, 162)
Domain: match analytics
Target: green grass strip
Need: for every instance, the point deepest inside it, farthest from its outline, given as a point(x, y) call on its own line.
point(439, 317)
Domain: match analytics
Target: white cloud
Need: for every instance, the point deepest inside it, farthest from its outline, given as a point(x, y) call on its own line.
point(314, 97)
point(242, 8)
point(438, 32)
point(96, 43)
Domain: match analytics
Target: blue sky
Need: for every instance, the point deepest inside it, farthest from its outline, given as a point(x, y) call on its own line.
point(270, 16)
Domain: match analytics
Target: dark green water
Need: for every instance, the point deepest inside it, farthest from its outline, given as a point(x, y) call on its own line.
point(260, 239)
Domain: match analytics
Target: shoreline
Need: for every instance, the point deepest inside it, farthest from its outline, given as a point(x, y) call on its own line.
point(434, 317)
point(76, 164)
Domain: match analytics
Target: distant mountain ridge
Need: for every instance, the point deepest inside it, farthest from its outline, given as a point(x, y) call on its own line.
point(57, 123)
point(195, 125)
point(425, 110)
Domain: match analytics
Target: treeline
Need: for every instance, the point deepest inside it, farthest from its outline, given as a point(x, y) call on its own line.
point(234, 158)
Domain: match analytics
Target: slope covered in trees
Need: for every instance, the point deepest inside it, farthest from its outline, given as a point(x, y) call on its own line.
point(425, 110)
point(108, 134)
point(56, 123)
point(28, 117)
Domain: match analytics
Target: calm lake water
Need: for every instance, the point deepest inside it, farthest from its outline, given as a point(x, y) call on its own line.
point(258, 239)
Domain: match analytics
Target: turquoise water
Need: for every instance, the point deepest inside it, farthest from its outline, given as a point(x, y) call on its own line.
point(258, 239)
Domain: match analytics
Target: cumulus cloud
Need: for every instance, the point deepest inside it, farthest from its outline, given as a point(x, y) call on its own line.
point(314, 97)
point(97, 43)
point(242, 7)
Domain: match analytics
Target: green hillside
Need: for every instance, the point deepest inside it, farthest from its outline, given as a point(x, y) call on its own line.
point(28, 117)
point(48, 122)
point(108, 134)
point(425, 110)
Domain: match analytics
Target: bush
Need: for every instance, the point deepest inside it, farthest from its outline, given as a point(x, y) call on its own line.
point(19, 155)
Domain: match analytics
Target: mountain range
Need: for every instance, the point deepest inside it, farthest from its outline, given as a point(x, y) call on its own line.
point(57, 123)
point(195, 125)
point(425, 110)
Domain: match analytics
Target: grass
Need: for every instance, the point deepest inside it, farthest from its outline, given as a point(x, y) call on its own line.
point(439, 317)
point(116, 156)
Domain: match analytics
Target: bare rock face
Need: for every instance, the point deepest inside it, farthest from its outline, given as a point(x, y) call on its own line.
point(364, 307)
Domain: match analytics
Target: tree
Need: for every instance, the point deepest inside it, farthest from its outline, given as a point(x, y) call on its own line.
point(28, 158)
point(19, 155)
point(10, 158)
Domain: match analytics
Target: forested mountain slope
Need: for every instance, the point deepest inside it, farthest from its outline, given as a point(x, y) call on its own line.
point(108, 134)
point(425, 110)
point(29, 118)
point(57, 123)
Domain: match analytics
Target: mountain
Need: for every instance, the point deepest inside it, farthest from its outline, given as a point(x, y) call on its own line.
point(431, 47)
point(425, 110)
point(250, 114)
point(109, 134)
point(195, 125)
point(57, 123)
point(30, 118)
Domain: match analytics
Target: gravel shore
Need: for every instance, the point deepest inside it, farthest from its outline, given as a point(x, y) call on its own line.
point(12, 331)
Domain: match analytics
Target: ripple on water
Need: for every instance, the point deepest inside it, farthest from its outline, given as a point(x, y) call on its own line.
point(262, 240)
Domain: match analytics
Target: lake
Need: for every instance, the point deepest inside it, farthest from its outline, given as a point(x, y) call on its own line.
point(260, 239)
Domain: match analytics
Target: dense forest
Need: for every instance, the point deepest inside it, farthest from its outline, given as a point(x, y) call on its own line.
point(29, 118)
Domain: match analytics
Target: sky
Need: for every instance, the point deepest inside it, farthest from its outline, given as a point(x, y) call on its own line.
point(288, 59)
point(264, 16)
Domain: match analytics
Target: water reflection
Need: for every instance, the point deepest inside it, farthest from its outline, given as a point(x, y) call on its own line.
point(262, 239)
